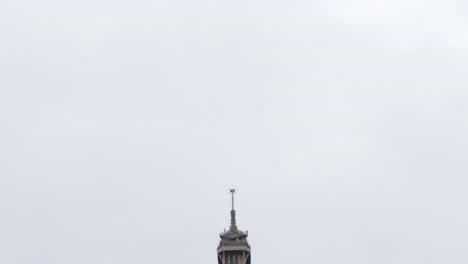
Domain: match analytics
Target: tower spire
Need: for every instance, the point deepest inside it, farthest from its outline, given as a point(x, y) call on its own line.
point(233, 227)
point(233, 247)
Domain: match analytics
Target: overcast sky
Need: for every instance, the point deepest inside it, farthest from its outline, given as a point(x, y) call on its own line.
point(343, 124)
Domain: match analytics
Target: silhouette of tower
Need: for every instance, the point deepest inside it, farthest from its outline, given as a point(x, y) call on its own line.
point(233, 247)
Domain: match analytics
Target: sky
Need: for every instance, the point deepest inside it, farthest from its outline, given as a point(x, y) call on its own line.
point(342, 124)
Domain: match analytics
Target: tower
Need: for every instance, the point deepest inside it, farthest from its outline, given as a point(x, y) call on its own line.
point(233, 247)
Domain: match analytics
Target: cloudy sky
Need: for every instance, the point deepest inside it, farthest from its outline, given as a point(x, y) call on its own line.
point(343, 124)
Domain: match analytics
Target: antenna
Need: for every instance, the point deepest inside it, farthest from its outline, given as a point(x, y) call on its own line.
point(233, 191)
point(233, 227)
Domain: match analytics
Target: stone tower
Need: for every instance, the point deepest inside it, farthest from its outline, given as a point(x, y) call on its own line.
point(233, 247)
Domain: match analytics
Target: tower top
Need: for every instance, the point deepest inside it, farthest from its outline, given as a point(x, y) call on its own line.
point(233, 247)
point(233, 235)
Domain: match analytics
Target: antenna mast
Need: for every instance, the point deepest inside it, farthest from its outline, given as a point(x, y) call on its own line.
point(233, 191)
point(233, 227)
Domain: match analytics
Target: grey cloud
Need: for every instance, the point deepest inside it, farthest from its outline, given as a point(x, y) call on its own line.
point(123, 124)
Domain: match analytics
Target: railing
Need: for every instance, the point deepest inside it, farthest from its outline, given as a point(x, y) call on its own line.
point(234, 243)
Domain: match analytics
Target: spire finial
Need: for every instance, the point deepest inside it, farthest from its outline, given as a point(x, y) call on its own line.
point(233, 227)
